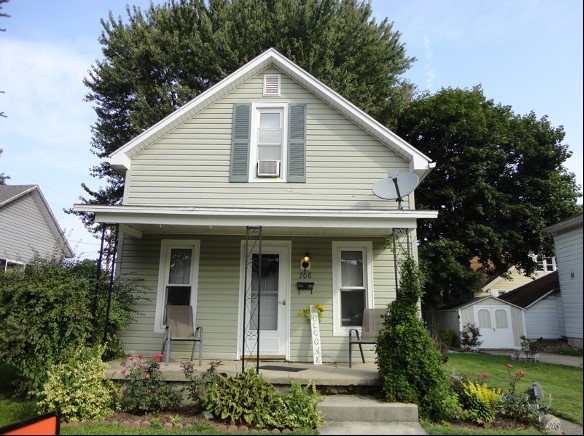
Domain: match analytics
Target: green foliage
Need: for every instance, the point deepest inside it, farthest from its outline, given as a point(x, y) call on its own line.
point(47, 308)
point(158, 59)
point(518, 407)
point(498, 181)
point(248, 398)
point(480, 402)
point(79, 387)
point(3, 177)
point(145, 390)
point(407, 358)
point(197, 386)
point(243, 398)
point(448, 336)
point(469, 336)
point(300, 407)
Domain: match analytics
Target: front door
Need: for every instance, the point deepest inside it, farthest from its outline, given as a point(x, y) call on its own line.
point(495, 326)
point(266, 303)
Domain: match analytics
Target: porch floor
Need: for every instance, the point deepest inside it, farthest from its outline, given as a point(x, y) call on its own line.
point(327, 375)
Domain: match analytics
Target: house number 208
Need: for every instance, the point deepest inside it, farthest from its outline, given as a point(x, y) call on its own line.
point(304, 275)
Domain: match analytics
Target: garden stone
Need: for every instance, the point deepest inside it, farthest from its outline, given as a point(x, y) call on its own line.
point(551, 423)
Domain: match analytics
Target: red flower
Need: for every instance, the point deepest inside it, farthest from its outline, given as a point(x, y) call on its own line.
point(147, 375)
point(485, 375)
point(509, 365)
point(130, 358)
point(140, 357)
point(123, 372)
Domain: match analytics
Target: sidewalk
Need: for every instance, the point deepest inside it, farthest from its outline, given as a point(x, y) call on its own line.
point(556, 359)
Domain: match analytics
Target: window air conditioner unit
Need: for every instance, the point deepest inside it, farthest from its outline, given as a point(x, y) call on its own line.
point(268, 168)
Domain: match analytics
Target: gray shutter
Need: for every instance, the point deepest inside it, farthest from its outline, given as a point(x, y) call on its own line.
point(240, 143)
point(297, 143)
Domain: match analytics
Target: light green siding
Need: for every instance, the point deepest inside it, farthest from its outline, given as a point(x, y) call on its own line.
point(219, 298)
point(190, 166)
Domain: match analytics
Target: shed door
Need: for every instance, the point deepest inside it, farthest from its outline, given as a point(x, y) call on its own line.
point(495, 326)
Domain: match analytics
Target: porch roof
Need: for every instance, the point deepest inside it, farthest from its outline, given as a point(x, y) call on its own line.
point(139, 220)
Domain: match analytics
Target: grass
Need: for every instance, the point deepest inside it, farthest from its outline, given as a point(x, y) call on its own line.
point(562, 383)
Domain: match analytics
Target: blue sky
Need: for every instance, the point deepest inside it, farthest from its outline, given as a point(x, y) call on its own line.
point(524, 53)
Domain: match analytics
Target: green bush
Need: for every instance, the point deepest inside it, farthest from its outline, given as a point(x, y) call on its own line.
point(481, 402)
point(248, 399)
point(79, 387)
point(197, 386)
point(145, 390)
point(47, 308)
point(243, 398)
point(300, 407)
point(407, 357)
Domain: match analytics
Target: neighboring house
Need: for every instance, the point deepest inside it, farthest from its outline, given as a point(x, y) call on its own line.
point(28, 227)
point(568, 243)
point(268, 159)
point(542, 302)
point(516, 278)
point(501, 324)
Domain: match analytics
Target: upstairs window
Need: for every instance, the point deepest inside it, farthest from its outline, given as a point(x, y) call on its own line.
point(268, 143)
point(546, 264)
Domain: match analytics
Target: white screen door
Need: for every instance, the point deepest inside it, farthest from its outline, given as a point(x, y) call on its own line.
point(270, 293)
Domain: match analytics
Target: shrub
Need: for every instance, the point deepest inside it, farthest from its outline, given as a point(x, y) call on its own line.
point(300, 407)
point(518, 407)
point(145, 391)
point(79, 387)
point(469, 336)
point(243, 398)
point(448, 336)
point(408, 362)
point(248, 398)
point(45, 309)
point(197, 387)
point(481, 402)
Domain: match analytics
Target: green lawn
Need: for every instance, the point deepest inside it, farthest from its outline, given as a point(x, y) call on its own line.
point(563, 384)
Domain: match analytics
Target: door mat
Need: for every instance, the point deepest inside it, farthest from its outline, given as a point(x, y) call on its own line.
point(281, 368)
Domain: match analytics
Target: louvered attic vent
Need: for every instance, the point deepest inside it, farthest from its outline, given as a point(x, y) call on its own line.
point(268, 168)
point(272, 84)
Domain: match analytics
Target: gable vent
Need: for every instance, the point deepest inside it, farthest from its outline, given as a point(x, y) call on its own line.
point(268, 168)
point(272, 84)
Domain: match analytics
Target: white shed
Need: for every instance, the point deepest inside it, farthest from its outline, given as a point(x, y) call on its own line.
point(501, 323)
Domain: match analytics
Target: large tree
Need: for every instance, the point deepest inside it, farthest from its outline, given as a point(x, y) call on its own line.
point(499, 180)
point(163, 57)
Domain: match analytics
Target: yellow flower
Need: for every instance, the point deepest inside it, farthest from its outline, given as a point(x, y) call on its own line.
point(305, 312)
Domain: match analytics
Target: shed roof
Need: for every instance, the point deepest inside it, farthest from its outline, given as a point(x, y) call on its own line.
point(530, 293)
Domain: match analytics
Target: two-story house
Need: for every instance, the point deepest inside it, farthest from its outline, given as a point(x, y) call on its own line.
point(270, 162)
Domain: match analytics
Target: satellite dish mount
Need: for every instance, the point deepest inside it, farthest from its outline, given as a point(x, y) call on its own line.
point(396, 186)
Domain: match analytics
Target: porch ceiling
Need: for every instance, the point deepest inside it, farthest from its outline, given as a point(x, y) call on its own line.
point(139, 220)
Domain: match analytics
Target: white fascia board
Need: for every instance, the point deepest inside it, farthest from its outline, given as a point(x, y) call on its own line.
point(419, 163)
point(567, 224)
point(247, 217)
point(121, 157)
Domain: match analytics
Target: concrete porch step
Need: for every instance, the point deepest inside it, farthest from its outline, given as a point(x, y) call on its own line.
point(350, 408)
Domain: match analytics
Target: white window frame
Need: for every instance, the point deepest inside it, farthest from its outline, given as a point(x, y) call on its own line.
point(7, 262)
point(166, 246)
point(256, 109)
point(366, 247)
point(542, 264)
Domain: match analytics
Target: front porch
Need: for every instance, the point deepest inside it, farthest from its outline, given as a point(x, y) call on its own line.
point(329, 377)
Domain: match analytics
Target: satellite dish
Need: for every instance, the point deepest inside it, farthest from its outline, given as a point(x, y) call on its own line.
point(396, 186)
